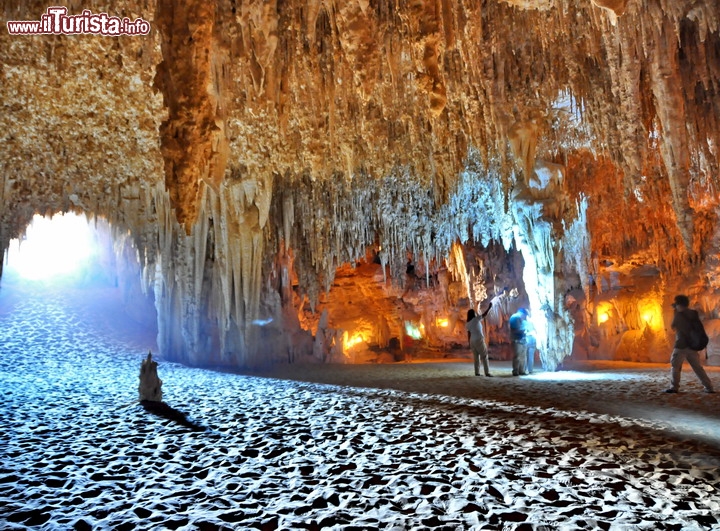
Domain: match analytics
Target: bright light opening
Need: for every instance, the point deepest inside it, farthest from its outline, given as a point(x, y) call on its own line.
point(442, 323)
point(604, 310)
point(414, 331)
point(58, 247)
point(650, 311)
point(354, 340)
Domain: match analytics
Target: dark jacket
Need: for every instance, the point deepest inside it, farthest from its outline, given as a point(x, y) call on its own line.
point(682, 323)
point(518, 326)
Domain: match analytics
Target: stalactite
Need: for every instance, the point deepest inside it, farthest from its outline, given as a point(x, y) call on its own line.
point(624, 67)
point(239, 215)
point(670, 104)
point(194, 140)
point(576, 247)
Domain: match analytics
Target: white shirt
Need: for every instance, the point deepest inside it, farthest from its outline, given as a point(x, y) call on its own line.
point(475, 327)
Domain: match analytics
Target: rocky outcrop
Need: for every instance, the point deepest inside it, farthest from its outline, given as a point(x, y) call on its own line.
point(150, 387)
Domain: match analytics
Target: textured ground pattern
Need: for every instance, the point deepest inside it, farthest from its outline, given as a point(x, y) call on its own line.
point(79, 452)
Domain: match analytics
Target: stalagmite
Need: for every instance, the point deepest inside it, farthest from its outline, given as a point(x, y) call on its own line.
point(321, 347)
point(150, 387)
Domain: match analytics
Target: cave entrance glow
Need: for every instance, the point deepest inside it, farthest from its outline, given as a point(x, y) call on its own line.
point(82, 271)
point(54, 248)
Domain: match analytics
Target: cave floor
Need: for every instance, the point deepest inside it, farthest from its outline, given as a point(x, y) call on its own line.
point(401, 446)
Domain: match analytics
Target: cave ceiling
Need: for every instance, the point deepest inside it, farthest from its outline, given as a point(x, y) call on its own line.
point(332, 90)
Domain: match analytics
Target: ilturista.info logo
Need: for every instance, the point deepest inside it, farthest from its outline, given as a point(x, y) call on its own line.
point(56, 21)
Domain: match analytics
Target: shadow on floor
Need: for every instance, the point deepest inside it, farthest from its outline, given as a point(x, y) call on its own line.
point(163, 410)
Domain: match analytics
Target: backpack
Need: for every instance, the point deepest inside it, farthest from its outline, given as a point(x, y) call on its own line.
point(697, 338)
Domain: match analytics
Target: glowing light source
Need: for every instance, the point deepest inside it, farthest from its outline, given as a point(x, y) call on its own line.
point(51, 248)
point(604, 311)
point(442, 323)
point(413, 331)
point(354, 340)
point(650, 311)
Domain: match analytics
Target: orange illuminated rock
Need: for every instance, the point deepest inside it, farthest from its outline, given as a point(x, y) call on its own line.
point(191, 79)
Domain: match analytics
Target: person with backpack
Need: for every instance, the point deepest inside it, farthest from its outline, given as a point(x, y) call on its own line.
point(690, 337)
point(520, 329)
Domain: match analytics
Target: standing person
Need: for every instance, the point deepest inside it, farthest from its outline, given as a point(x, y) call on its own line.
point(682, 324)
point(531, 345)
point(519, 326)
point(476, 338)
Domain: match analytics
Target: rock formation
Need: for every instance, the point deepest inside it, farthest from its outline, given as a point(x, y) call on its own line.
point(150, 387)
point(561, 149)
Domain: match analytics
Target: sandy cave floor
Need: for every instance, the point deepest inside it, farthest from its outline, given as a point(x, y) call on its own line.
point(402, 446)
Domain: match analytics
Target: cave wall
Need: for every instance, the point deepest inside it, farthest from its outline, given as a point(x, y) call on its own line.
point(240, 136)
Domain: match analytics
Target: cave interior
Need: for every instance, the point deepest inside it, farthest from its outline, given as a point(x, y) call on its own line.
point(340, 182)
